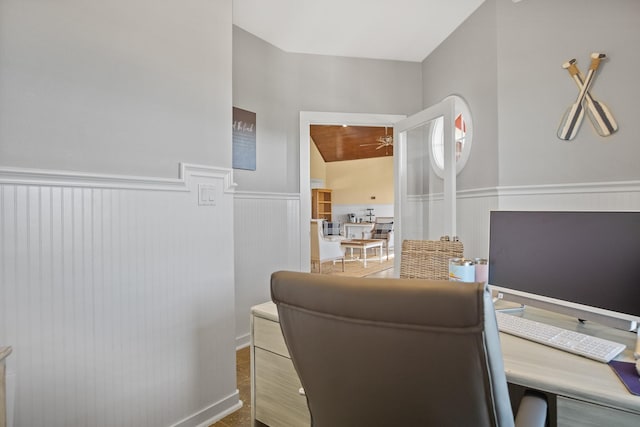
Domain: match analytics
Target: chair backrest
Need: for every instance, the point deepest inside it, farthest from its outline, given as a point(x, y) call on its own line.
point(393, 352)
point(324, 249)
point(331, 228)
point(382, 228)
point(428, 259)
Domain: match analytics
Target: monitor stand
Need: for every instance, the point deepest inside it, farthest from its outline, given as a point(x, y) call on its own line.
point(517, 309)
point(582, 315)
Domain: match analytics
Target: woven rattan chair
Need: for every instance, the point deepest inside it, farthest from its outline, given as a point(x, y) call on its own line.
point(428, 259)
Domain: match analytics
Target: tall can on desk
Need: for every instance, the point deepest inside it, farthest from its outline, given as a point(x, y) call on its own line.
point(482, 270)
point(461, 270)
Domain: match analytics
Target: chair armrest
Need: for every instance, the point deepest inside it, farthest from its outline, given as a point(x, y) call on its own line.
point(330, 250)
point(532, 411)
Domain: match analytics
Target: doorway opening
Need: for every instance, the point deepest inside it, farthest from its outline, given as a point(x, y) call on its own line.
point(307, 119)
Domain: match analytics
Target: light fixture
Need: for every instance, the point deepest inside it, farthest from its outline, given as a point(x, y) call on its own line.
point(386, 139)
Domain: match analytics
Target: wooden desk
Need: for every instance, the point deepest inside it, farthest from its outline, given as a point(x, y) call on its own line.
point(588, 393)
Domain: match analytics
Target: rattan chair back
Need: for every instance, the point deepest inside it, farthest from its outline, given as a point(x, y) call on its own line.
point(428, 259)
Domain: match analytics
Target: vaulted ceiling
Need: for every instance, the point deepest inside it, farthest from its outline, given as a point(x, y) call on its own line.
point(337, 143)
point(404, 30)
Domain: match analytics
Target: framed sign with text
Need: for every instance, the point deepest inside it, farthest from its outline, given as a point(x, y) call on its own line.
point(244, 139)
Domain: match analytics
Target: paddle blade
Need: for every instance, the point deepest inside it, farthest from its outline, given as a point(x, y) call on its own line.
point(571, 122)
point(601, 118)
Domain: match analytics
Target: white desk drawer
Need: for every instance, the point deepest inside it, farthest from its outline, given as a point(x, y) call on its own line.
point(574, 413)
point(267, 335)
point(278, 402)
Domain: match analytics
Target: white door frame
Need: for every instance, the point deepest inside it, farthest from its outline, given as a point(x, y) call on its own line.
point(446, 110)
point(308, 118)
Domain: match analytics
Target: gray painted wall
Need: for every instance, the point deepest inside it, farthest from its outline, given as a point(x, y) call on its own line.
point(534, 39)
point(278, 85)
point(259, 86)
point(122, 87)
point(505, 60)
point(115, 87)
point(465, 64)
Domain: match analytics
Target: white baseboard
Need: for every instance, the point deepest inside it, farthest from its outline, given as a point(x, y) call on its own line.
point(243, 341)
point(212, 413)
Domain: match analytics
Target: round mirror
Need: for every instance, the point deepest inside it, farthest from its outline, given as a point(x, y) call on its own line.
point(463, 134)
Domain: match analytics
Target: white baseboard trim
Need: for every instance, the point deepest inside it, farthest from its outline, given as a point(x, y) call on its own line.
point(243, 341)
point(212, 413)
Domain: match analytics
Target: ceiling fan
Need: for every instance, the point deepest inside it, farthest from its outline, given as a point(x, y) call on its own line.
point(382, 141)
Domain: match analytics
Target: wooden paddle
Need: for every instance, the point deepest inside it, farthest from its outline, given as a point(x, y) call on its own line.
point(574, 115)
point(600, 116)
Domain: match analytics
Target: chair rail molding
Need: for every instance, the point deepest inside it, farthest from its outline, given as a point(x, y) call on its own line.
point(572, 188)
point(537, 190)
point(44, 177)
point(266, 195)
point(460, 194)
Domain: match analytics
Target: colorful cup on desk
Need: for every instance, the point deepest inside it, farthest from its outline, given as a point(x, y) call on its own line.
point(461, 270)
point(467, 270)
point(482, 270)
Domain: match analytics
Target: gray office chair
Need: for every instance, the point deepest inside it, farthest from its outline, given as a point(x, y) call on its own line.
point(396, 352)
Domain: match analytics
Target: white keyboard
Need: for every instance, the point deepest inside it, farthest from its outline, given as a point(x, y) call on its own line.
point(574, 342)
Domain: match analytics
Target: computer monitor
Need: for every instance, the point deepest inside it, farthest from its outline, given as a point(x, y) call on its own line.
point(585, 264)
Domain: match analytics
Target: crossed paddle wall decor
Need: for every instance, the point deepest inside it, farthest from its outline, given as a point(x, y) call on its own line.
point(600, 116)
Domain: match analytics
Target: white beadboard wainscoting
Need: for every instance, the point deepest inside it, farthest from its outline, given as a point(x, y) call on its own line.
point(267, 227)
point(117, 296)
point(473, 208)
point(472, 222)
point(267, 239)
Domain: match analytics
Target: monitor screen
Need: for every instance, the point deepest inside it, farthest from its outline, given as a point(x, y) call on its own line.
point(587, 258)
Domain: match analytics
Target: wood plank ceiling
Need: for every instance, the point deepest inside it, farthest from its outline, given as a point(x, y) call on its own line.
point(338, 143)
